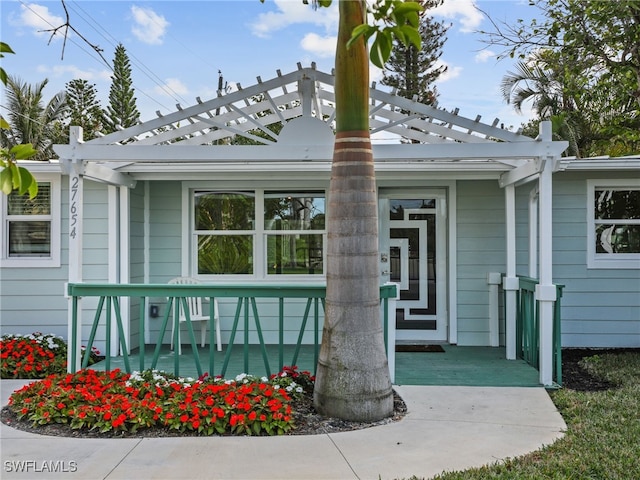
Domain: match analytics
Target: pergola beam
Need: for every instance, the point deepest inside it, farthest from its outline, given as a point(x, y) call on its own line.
point(247, 153)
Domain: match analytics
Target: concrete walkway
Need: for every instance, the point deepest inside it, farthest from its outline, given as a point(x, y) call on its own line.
point(446, 428)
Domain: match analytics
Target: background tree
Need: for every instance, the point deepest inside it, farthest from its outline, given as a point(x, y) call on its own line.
point(12, 176)
point(541, 81)
point(596, 43)
point(122, 108)
point(31, 121)
point(84, 107)
point(411, 70)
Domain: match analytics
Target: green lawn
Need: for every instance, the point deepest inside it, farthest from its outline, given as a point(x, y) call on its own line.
point(603, 431)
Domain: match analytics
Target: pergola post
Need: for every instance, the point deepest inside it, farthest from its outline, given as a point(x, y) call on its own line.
point(546, 290)
point(118, 271)
point(75, 233)
point(510, 283)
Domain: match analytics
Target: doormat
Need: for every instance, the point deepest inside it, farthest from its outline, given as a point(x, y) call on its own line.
point(420, 348)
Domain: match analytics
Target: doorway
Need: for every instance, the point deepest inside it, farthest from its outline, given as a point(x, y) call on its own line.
point(413, 255)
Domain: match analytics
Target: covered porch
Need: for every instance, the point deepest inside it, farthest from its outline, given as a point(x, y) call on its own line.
point(275, 138)
point(247, 351)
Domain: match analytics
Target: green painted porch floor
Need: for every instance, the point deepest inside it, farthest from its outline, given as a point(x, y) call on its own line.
point(457, 366)
point(464, 366)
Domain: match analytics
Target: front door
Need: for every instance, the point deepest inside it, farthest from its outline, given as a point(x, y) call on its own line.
point(413, 246)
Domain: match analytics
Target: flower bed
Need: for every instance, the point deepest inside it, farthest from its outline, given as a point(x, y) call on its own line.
point(35, 356)
point(120, 402)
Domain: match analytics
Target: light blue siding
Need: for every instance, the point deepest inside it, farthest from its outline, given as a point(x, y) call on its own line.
point(480, 245)
point(600, 307)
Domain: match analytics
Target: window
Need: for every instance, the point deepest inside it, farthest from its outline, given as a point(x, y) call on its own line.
point(225, 232)
point(614, 224)
point(259, 234)
point(295, 226)
point(31, 227)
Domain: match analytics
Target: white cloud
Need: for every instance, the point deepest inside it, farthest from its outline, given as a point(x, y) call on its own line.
point(38, 18)
point(73, 71)
point(483, 55)
point(290, 12)
point(463, 10)
point(149, 27)
point(321, 46)
point(172, 87)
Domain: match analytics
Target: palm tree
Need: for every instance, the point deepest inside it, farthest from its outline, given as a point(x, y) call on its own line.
point(30, 120)
point(352, 380)
point(541, 80)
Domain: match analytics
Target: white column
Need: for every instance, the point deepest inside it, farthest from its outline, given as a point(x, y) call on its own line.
point(533, 233)
point(147, 246)
point(118, 268)
point(510, 283)
point(546, 290)
point(113, 266)
point(125, 262)
point(76, 193)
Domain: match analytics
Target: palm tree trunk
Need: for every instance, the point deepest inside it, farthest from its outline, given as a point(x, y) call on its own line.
point(352, 379)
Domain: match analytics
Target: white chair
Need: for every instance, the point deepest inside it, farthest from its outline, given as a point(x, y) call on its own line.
point(195, 314)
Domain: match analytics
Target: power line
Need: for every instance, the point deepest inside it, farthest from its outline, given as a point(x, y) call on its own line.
point(136, 61)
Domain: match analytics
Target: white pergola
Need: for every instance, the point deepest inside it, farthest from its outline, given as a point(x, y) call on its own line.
point(235, 132)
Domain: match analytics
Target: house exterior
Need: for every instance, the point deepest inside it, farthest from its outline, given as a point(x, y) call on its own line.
point(465, 208)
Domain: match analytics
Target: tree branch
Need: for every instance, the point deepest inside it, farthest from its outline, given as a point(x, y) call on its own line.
point(66, 27)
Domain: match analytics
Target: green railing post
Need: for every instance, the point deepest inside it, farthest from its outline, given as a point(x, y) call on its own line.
point(280, 333)
point(212, 334)
point(73, 349)
point(108, 335)
point(141, 323)
point(246, 335)
point(528, 327)
point(176, 336)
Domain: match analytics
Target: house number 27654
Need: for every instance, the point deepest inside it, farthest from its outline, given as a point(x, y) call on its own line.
point(73, 206)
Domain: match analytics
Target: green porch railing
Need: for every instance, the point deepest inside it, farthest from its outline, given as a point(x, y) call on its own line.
point(108, 305)
point(528, 327)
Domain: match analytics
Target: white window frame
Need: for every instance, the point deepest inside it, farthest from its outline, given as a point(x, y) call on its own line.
point(608, 260)
point(259, 236)
point(51, 261)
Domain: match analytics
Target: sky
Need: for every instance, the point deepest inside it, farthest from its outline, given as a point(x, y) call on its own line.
point(178, 49)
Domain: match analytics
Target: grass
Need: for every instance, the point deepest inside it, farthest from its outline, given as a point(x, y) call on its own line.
point(603, 431)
